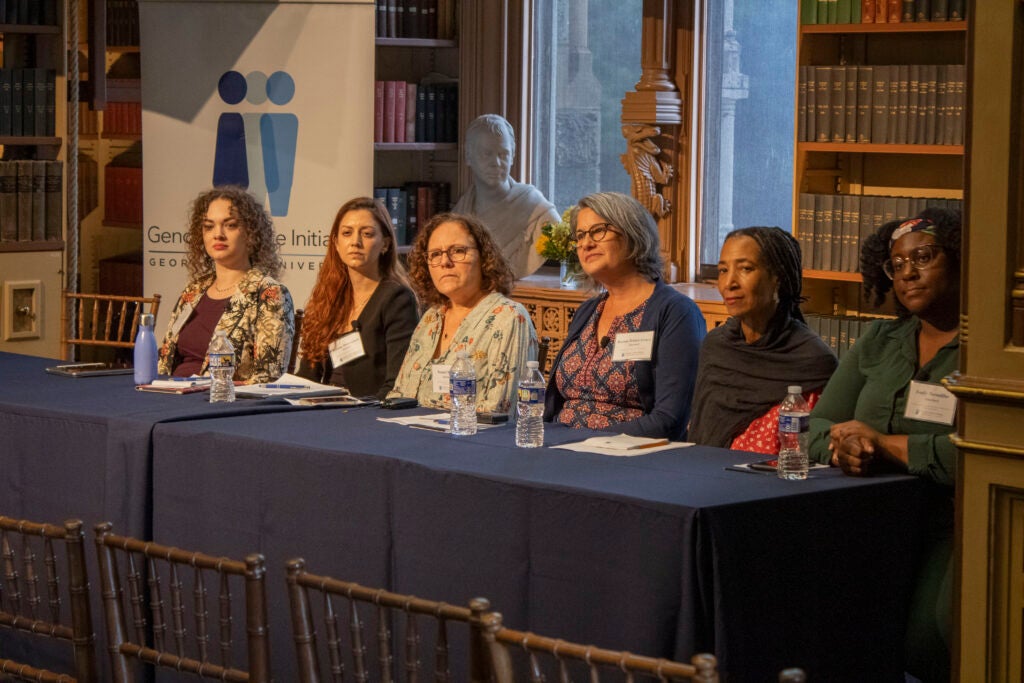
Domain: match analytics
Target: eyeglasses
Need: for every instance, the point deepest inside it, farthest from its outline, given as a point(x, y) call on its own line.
point(921, 258)
point(456, 253)
point(598, 233)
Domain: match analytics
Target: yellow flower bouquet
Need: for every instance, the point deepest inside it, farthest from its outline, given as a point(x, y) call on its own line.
point(556, 242)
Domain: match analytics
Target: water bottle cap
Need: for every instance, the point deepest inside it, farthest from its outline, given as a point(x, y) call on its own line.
point(532, 364)
point(795, 389)
point(147, 319)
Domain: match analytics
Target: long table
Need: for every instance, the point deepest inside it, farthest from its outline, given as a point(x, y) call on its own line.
point(81, 448)
point(665, 554)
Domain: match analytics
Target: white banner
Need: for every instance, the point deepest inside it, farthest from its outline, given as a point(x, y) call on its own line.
point(276, 97)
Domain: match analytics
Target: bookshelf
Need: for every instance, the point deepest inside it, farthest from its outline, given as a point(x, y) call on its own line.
point(109, 149)
point(878, 135)
point(416, 152)
point(32, 212)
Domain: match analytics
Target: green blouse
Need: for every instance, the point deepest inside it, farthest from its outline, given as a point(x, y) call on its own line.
point(872, 385)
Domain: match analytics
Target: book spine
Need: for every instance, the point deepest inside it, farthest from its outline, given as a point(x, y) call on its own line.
point(894, 11)
point(850, 127)
point(908, 10)
point(6, 87)
point(913, 100)
point(378, 111)
point(389, 111)
point(940, 10)
point(823, 75)
point(24, 201)
point(39, 118)
point(867, 11)
point(801, 105)
point(38, 200)
point(880, 105)
point(838, 104)
point(8, 201)
point(400, 94)
point(410, 112)
point(808, 12)
point(956, 10)
point(922, 10)
point(54, 191)
point(17, 101)
point(865, 89)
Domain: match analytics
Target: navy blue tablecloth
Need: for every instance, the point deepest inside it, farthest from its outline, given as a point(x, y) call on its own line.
point(664, 554)
point(81, 448)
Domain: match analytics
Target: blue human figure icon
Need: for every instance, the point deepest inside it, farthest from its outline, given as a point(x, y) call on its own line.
point(279, 134)
point(230, 162)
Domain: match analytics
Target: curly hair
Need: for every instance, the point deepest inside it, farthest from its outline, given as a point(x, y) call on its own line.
point(255, 222)
point(876, 248)
point(781, 254)
point(496, 273)
point(636, 223)
point(331, 301)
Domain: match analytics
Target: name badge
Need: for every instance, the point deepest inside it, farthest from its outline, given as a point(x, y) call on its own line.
point(439, 379)
point(930, 403)
point(633, 346)
point(346, 348)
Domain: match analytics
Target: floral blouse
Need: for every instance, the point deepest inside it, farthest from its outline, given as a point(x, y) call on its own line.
point(259, 321)
point(599, 392)
point(499, 336)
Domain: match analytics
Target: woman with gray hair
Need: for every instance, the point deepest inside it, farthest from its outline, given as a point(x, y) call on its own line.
point(629, 360)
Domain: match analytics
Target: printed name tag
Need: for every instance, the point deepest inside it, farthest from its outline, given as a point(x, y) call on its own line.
point(347, 347)
point(439, 379)
point(633, 346)
point(930, 403)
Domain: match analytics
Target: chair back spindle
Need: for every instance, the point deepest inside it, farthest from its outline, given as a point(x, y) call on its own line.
point(102, 320)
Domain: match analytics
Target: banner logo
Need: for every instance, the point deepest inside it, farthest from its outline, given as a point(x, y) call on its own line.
point(256, 150)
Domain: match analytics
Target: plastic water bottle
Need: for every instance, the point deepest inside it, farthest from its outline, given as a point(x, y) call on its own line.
point(220, 360)
point(462, 379)
point(144, 360)
point(794, 424)
point(530, 413)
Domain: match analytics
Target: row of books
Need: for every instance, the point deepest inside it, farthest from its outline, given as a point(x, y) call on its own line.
point(839, 332)
point(413, 204)
point(879, 11)
point(410, 112)
point(31, 200)
point(27, 102)
point(32, 12)
point(122, 22)
point(832, 227)
point(915, 104)
point(431, 19)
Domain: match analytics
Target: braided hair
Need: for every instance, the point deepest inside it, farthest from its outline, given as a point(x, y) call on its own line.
point(875, 252)
point(780, 252)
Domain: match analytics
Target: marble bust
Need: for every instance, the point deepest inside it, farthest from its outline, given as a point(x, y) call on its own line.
point(514, 212)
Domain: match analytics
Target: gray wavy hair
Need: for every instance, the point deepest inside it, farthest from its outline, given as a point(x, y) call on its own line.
point(636, 223)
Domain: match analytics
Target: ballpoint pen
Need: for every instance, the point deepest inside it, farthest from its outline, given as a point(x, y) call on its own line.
point(285, 386)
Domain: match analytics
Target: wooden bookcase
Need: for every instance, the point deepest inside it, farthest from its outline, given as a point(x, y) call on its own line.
point(411, 60)
point(32, 269)
point(870, 167)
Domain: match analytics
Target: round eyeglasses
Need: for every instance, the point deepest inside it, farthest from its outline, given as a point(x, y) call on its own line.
point(456, 253)
point(921, 258)
point(598, 232)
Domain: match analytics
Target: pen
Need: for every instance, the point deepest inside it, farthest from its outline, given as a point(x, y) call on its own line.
point(186, 379)
point(286, 386)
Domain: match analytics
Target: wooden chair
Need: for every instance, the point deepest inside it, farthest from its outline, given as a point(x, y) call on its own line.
point(294, 357)
point(158, 574)
point(561, 659)
point(33, 601)
point(356, 618)
point(103, 320)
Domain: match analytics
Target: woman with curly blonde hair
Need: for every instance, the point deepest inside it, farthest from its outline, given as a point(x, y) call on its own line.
point(232, 262)
point(459, 273)
point(361, 313)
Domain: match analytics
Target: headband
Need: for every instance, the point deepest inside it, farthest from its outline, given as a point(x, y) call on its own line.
point(913, 225)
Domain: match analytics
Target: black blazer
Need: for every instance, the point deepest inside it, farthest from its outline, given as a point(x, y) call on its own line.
point(386, 324)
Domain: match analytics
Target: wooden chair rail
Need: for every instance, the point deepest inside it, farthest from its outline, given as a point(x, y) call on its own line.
point(186, 664)
point(28, 673)
point(103, 320)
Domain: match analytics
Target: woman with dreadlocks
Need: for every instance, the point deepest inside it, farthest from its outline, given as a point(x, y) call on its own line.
point(747, 363)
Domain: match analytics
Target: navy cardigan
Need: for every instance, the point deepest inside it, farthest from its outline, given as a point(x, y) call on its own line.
point(666, 381)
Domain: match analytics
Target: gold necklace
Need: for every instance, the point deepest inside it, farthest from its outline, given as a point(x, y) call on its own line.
point(226, 289)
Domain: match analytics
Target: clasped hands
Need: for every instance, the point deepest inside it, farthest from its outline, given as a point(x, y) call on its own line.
point(859, 450)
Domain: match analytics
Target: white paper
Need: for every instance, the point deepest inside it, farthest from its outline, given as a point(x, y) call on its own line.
point(622, 445)
point(288, 385)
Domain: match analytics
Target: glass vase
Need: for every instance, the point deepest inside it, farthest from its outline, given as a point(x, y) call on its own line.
point(570, 275)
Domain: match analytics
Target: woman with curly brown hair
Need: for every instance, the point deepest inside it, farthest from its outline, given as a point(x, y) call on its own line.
point(459, 273)
point(361, 312)
point(232, 262)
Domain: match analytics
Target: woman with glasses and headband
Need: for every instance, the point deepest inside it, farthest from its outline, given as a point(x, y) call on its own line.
point(361, 312)
point(629, 359)
point(884, 410)
point(459, 273)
